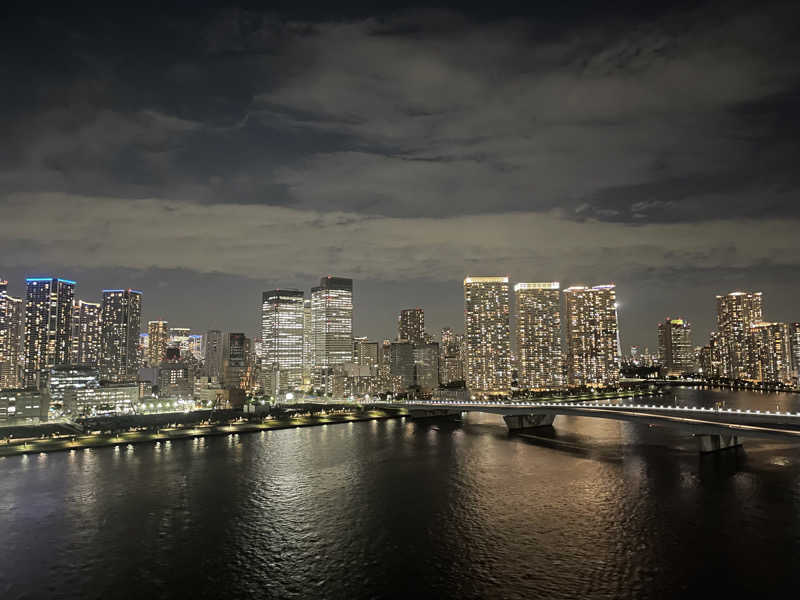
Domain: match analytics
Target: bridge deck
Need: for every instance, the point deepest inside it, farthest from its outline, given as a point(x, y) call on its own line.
point(695, 419)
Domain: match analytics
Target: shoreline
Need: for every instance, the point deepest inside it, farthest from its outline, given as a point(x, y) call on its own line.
point(165, 435)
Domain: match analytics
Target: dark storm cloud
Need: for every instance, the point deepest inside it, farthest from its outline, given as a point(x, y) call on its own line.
point(569, 142)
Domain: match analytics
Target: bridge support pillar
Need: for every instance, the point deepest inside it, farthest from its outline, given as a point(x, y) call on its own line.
point(715, 442)
point(434, 413)
point(517, 422)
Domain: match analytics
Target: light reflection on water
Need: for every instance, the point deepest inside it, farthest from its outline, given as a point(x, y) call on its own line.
point(594, 509)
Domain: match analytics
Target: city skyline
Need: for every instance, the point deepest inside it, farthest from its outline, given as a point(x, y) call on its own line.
point(384, 325)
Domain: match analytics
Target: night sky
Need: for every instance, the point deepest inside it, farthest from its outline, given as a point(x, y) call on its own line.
point(205, 153)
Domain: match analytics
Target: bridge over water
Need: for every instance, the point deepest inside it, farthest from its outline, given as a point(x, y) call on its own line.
point(714, 428)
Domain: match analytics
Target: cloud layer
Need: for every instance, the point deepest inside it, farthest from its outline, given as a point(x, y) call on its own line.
point(411, 145)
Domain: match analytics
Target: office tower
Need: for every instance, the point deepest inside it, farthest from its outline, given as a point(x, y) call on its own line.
point(70, 377)
point(157, 339)
point(282, 323)
point(401, 363)
point(213, 354)
point(175, 380)
point(675, 351)
point(541, 362)
point(331, 325)
point(636, 355)
point(365, 353)
point(121, 318)
point(411, 325)
point(426, 366)
point(487, 335)
point(772, 353)
point(794, 342)
point(237, 362)
point(11, 327)
point(86, 334)
point(196, 348)
point(736, 313)
point(143, 350)
point(178, 337)
point(308, 342)
point(592, 336)
point(48, 322)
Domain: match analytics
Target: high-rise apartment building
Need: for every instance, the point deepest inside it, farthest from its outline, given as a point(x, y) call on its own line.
point(675, 350)
point(157, 340)
point(308, 342)
point(121, 321)
point(11, 328)
point(86, 334)
point(331, 324)
point(487, 335)
point(541, 361)
point(48, 326)
point(426, 366)
point(794, 342)
point(365, 353)
point(411, 325)
point(282, 327)
point(592, 336)
point(772, 353)
point(736, 313)
point(711, 358)
point(212, 363)
point(451, 367)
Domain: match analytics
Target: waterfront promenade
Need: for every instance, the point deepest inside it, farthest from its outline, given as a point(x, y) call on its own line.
point(77, 442)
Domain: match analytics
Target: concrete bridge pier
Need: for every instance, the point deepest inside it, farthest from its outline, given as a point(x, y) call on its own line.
point(716, 441)
point(434, 413)
point(519, 422)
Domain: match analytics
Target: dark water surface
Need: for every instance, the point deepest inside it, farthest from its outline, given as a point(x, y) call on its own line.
point(595, 509)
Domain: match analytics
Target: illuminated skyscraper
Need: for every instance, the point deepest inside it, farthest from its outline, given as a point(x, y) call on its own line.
point(214, 354)
point(196, 346)
point(487, 335)
point(11, 329)
point(86, 334)
point(157, 339)
point(772, 354)
point(282, 322)
point(401, 364)
point(48, 322)
point(411, 325)
point(237, 361)
point(794, 338)
point(736, 313)
point(675, 350)
point(365, 353)
point(592, 336)
point(121, 319)
point(541, 362)
point(308, 342)
point(143, 349)
point(426, 366)
point(711, 358)
point(332, 323)
point(178, 337)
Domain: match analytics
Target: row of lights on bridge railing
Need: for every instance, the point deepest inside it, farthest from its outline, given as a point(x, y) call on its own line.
point(605, 406)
